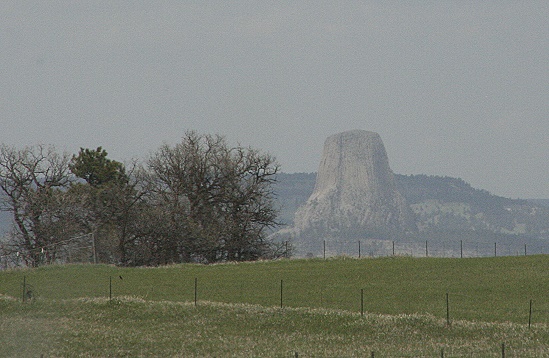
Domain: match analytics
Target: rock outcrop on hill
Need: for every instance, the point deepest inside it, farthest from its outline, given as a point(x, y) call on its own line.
point(355, 192)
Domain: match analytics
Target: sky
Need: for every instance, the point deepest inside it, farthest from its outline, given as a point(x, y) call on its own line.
point(454, 88)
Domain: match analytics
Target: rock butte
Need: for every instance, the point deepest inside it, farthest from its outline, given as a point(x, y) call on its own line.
point(355, 191)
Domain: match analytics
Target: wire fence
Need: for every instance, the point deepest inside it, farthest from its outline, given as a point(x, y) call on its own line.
point(277, 293)
point(81, 249)
point(458, 304)
point(77, 249)
point(379, 248)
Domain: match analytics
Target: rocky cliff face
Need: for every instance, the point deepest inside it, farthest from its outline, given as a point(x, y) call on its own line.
point(355, 192)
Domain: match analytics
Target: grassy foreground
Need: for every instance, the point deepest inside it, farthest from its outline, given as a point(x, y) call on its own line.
point(152, 312)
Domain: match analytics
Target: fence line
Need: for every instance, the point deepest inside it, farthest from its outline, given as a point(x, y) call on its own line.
point(75, 249)
point(428, 248)
point(82, 249)
point(28, 294)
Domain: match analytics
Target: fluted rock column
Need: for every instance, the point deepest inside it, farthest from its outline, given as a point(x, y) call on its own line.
point(355, 191)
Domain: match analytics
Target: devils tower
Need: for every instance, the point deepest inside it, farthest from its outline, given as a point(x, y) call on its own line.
point(355, 192)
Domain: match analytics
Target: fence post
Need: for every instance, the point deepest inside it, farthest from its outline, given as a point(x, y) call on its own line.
point(110, 288)
point(393, 248)
point(358, 248)
point(195, 290)
point(324, 249)
point(524, 249)
point(461, 248)
point(362, 302)
point(503, 350)
point(495, 249)
point(426, 250)
point(94, 251)
point(447, 310)
point(24, 288)
point(530, 315)
point(281, 285)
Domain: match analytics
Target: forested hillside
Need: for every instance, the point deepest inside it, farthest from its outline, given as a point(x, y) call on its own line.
point(543, 202)
point(418, 188)
point(292, 190)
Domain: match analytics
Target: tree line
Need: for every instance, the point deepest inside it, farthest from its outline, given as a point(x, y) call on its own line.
point(200, 200)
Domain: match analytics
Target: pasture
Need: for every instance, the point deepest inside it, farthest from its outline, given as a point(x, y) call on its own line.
point(393, 306)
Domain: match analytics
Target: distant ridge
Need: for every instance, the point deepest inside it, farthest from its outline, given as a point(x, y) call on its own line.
point(543, 202)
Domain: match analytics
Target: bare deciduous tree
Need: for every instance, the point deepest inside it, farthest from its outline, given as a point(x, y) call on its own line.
point(33, 180)
point(220, 197)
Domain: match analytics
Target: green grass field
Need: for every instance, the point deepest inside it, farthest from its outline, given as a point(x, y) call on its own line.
point(238, 310)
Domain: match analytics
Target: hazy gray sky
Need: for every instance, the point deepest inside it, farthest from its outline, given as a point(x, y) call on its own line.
point(457, 88)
